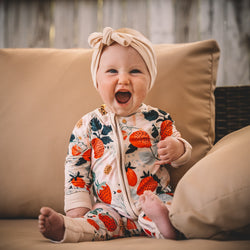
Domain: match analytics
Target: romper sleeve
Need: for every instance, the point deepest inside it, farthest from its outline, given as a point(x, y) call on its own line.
point(188, 149)
point(168, 129)
point(78, 178)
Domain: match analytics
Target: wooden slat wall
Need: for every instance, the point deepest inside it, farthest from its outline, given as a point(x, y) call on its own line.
point(67, 24)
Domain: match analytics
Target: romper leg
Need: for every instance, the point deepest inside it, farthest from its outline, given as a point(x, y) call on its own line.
point(102, 223)
point(131, 227)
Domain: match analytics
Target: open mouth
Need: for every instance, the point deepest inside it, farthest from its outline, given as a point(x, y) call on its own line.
point(122, 97)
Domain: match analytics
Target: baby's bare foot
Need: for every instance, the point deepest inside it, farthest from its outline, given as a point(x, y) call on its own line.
point(51, 224)
point(155, 209)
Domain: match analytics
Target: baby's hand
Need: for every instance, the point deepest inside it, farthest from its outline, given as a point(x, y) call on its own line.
point(77, 212)
point(169, 149)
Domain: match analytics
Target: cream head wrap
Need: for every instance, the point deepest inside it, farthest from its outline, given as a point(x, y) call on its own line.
point(125, 37)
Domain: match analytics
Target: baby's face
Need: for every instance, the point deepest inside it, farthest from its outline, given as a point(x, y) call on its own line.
point(122, 79)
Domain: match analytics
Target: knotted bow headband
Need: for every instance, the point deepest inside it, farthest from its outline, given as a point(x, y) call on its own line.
point(98, 41)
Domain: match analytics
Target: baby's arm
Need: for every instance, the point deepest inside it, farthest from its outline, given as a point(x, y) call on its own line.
point(78, 179)
point(77, 212)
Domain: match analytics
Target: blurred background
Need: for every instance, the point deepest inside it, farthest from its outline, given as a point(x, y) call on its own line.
point(67, 24)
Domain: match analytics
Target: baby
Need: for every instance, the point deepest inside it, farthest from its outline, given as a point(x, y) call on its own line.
point(119, 152)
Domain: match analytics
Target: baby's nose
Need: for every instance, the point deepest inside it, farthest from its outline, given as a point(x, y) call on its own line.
point(124, 78)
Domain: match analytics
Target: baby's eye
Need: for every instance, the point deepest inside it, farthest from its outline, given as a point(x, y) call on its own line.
point(135, 71)
point(112, 71)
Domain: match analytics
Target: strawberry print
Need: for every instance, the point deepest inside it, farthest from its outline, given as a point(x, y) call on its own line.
point(164, 118)
point(148, 182)
point(124, 134)
point(98, 147)
point(77, 180)
point(104, 192)
point(131, 175)
point(93, 144)
point(149, 233)
point(93, 223)
point(101, 132)
point(87, 155)
point(108, 221)
point(76, 150)
point(140, 139)
point(130, 224)
point(145, 217)
point(166, 129)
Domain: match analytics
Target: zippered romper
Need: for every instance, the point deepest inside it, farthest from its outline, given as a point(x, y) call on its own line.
point(112, 158)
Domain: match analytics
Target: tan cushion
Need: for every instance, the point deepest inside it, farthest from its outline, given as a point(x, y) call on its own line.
point(185, 88)
point(24, 235)
point(212, 199)
point(45, 91)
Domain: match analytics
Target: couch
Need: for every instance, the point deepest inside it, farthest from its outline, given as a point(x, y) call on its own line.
point(45, 91)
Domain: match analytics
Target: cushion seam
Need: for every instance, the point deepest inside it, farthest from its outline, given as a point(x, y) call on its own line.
point(210, 62)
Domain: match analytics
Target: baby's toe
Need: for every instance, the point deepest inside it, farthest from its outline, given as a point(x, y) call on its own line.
point(142, 198)
point(41, 217)
point(149, 195)
point(46, 211)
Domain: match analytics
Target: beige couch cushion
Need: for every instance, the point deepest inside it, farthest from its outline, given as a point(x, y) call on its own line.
point(45, 91)
point(185, 88)
point(212, 199)
point(23, 235)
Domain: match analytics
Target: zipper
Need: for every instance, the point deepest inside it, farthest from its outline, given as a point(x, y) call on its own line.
point(121, 170)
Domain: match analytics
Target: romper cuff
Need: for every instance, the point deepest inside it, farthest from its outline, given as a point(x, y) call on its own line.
point(78, 199)
point(185, 157)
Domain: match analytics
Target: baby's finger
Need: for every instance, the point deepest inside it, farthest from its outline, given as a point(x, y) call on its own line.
point(164, 157)
point(162, 151)
point(161, 144)
point(159, 163)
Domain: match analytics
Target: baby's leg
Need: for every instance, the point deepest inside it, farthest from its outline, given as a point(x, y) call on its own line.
point(101, 223)
point(156, 210)
point(51, 224)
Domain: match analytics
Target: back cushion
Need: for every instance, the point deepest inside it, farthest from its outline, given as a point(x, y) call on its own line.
point(44, 92)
